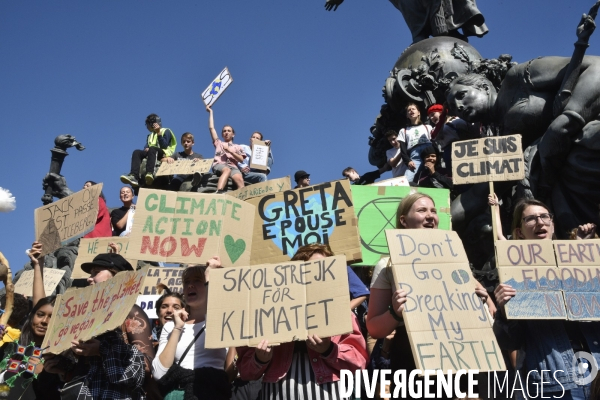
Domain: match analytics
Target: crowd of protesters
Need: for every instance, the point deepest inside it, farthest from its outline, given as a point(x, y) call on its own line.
point(167, 358)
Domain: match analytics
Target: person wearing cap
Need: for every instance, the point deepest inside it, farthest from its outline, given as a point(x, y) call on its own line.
point(117, 362)
point(434, 113)
point(302, 179)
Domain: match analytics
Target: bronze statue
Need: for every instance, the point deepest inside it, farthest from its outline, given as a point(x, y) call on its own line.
point(553, 103)
point(59, 152)
point(436, 17)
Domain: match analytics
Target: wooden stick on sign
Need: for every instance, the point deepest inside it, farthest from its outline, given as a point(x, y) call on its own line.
point(6, 277)
point(494, 223)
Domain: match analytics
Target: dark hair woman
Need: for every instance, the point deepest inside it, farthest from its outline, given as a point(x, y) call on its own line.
point(549, 346)
point(46, 385)
point(166, 305)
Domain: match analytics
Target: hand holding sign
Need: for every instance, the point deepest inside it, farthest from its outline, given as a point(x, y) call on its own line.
point(317, 344)
point(398, 300)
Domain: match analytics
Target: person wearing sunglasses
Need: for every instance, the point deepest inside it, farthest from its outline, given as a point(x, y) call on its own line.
point(543, 349)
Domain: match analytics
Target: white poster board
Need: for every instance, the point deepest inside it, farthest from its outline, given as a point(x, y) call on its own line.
point(52, 278)
point(260, 155)
point(217, 87)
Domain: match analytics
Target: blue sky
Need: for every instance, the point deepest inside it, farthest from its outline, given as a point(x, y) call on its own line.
point(309, 79)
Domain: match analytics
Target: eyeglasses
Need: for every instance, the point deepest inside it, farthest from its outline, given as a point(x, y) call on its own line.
point(532, 219)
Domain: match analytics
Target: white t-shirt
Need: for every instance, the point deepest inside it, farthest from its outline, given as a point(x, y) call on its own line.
point(414, 135)
point(197, 357)
point(382, 275)
point(400, 168)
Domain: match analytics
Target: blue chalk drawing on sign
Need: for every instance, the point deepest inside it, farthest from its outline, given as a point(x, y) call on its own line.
point(216, 86)
point(534, 302)
point(581, 295)
point(314, 220)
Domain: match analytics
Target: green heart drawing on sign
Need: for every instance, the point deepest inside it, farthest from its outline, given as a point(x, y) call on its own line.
point(235, 248)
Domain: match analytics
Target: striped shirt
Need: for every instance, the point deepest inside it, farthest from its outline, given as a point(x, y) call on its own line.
point(300, 382)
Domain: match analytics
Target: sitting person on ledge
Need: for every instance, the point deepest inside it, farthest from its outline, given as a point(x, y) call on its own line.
point(160, 143)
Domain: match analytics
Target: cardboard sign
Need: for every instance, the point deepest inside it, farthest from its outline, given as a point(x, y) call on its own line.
point(278, 302)
point(186, 227)
point(554, 279)
point(169, 276)
point(217, 87)
point(52, 277)
point(148, 304)
point(398, 181)
point(376, 209)
point(316, 214)
point(90, 248)
point(260, 155)
point(495, 158)
point(184, 166)
point(67, 219)
point(447, 324)
point(262, 188)
point(85, 313)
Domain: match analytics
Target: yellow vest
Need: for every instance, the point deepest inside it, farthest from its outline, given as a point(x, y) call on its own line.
point(153, 142)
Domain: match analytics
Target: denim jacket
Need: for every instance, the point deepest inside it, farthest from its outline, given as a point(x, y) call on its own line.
point(547, 347)
point(349, 352)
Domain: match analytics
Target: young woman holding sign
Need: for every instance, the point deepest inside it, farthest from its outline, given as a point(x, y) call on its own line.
point(46, 385)
point(304, 369)
point(415, 211)
point(547, 347)
point(183, 366)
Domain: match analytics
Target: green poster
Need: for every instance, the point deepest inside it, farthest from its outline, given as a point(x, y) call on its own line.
point(375, 207)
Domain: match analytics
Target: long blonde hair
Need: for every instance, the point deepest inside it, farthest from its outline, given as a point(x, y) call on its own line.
point(406, 204)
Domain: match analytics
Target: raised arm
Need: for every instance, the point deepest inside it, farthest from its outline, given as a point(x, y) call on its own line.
point(211, 124)
point(38, 272)
point(167, 346)
point(493, 202)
